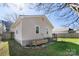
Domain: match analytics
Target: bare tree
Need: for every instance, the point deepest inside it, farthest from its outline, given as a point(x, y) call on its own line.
point(9, 5)
point(4, 5)
point(74, 6)
point(49, 8)
point(10, 19)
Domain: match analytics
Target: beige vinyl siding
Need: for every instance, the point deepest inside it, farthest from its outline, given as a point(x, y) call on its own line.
point(18, 33)
point(26, 27)
point(29, 28)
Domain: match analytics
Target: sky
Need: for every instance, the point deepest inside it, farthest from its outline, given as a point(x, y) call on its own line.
point(54, 17)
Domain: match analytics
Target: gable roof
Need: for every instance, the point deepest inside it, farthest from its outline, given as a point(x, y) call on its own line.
point(21, 16)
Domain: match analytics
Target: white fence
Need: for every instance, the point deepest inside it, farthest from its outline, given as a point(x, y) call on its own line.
point(68, 35)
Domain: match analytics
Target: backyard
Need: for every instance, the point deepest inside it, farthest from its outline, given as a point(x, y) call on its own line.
point(59, 48)
point(72, 40)
point(4, 49)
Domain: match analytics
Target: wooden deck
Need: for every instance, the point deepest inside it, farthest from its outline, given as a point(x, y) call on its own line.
point(39, 42)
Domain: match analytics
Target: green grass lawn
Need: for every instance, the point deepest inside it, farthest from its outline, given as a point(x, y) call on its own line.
point(73, 40)
point(59, 48)
point(55, 49)
point(4, 49)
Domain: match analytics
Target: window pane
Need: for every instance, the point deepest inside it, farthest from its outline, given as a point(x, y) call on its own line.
point(47, 31)
point(16, 32)
point(37, 29)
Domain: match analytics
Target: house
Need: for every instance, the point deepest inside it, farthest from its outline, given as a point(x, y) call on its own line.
point(60, 30)
point(71, 30)
point(64, 32)
point(2, 27)
point(77, 30)
point(31, 27)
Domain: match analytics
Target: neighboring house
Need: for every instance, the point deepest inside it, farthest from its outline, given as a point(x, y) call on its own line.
point(60, 30)
point(64, 32)
point(2, 27)
point(77, 30)
point(31, 27)
point(71, 30)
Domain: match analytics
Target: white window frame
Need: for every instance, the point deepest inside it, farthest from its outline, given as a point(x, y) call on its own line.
point(47, 30)
point(39, 29)
point(16, 31)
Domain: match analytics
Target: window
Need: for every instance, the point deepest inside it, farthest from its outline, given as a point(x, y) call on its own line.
point(47, 31)
point(37, 29)
point(16, 32)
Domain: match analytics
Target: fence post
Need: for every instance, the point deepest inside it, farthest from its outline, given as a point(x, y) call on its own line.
point(55, 37)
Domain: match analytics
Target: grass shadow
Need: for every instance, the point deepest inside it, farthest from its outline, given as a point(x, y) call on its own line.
point(16, 49)
point(56, 49)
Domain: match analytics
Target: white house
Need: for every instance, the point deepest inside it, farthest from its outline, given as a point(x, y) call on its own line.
point(2, 28)
point(60, 30)
point(77, 31)
point(31, 27)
